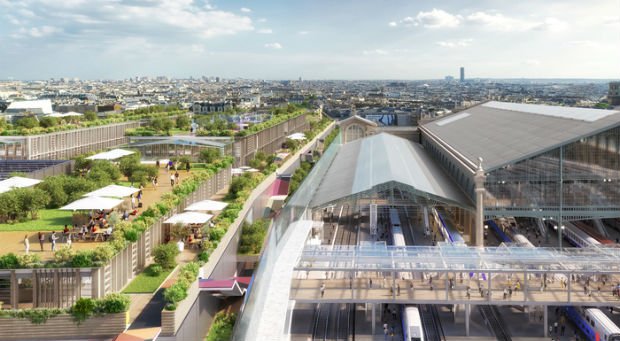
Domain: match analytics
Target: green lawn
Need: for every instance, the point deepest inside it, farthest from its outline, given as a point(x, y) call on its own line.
point(144, 283)
point(49, 220)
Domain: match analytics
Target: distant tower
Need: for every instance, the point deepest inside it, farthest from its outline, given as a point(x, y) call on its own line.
point(462, 74)
point(613, 97)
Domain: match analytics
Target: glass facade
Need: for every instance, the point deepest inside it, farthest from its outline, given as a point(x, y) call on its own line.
point(586, 172)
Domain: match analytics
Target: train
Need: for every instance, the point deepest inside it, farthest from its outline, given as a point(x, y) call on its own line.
point(412, 324)
point(594, 323)
point(398, 239)
point(591, 321)
point(448, 232)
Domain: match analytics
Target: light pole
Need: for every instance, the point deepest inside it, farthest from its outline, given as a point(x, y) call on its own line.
point(486, 231)
point(559, 231)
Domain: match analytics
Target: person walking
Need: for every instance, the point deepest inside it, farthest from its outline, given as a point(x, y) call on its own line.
point(53, 239)
point(26, 244)
point(41, 240)
point(172, 180)
point(187, 167)
point(322, 289)
point(133, 201)
point(176, 177)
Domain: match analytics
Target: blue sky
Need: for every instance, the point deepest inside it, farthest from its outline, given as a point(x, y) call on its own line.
point(319, 39)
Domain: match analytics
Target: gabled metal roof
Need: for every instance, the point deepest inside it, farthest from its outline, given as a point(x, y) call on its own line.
point(504, 133)
point(366, 164)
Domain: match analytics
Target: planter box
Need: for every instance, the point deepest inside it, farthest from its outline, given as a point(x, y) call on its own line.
point(63, 327)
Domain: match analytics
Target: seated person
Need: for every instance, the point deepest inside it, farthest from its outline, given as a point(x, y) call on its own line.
point(83, 232)
point(107, 233)
point(190, 238)
point(125, 215)
point(65, 231)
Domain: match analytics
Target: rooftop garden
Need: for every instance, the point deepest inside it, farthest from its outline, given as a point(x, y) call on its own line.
point(31, 125)
point(56, 191)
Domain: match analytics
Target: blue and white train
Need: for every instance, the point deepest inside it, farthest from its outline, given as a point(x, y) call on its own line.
point(594, 323)
point(448, 232)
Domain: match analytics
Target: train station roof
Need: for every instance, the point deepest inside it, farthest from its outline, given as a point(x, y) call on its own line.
point(503, 133)
point(385, 160)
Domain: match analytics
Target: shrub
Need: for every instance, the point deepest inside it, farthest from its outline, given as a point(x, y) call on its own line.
point(83, 309)
point(48, 121)
point(165, 255)
point(216, 233)
point(114, 303)
point(82, 259)
point(155, 270)
point(175, 294)
point(204, 256)
point(9, 261)
point(28, 122)
point(222, 327)
point(131, 235)
point(103, 253)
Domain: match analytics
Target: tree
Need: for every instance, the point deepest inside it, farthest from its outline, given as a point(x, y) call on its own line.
point(54, 187)
point(47, 122)
point(162, 124)
point(209, 155)
point(128, 164)
point(90, 116)
point(27, 122)
point(183, 122)
point(165, 255)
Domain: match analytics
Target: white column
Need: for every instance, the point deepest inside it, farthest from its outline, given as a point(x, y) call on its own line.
point(467, 311)
point(479, 178)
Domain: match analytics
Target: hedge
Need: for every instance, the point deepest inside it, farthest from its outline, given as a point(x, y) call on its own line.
point(81, 310)
point(111, 119)
point(222, 327)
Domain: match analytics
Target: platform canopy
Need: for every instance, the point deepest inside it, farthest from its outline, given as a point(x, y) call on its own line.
point(189, 218)
point(16, 182)
point(111, 155)
point(113, 191)
point(207, 205)
point(92, 203)
point(383, 162)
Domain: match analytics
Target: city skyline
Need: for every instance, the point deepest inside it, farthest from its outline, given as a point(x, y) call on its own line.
point(112, 39)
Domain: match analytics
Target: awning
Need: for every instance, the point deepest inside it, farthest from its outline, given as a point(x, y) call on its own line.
point(111, 155)
point(236, 171)
point(68, 114)
point(189, 218)
point(207, 205)
point(114, 191)
point(93, 203)
point(16, 182)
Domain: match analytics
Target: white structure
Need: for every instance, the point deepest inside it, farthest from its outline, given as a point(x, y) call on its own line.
point(16, 182)
point(189, 218)
point(38, 107)
point(113, 191)
point(111, 155)
point(207, 205)
point(92, 203)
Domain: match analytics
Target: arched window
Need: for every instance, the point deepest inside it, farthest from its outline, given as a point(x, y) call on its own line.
point(354, 132)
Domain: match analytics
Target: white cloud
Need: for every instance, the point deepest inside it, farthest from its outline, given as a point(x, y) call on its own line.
point(265, 31)
point(435, 19)
point(500, 22)
point(393, 24)
point(303, 33)
point(39, 32)
point(245, 10)
point(533, 62)
point(152, 19)
point(455, 43)
point(375, 52)
point(275, 46)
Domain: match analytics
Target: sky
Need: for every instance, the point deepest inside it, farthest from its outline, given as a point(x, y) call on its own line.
point(312, 39)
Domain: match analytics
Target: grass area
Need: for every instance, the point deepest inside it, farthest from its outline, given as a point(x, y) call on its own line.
point(146, 282)
point(49, 220)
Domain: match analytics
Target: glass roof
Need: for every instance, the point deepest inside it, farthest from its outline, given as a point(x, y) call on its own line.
point(446, 257)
